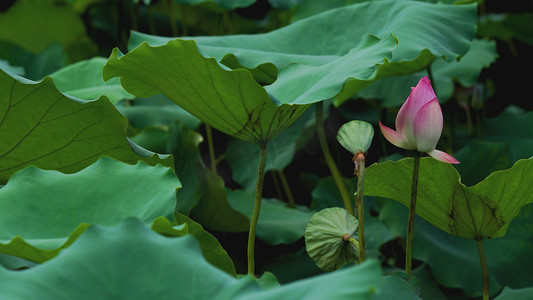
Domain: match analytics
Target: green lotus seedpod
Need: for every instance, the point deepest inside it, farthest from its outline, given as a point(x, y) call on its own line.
point(330, 238)
point(355, 136)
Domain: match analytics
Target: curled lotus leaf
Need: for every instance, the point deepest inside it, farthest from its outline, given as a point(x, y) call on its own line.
point(326, 241)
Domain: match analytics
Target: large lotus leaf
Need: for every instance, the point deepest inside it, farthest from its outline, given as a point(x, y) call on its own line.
point(240, 155)
point(130, 261)
point(278, 223)
point(40, 126)
point(57, 207)
point(203, 194)
point(303, 84)
point(156, 111)
point(36, 66)
point(34, 25)
point(445, 30)
point(399, 286)
point(17, 70)
point(424, 31)
point(313, 7)
point(84, 80)
point(230, 101)
point(446, 254)
point(466, 71)
point(394, 90)
point(482, 211)
point(211, 248)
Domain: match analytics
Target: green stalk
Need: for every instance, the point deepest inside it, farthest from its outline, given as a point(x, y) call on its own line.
point(209, 134)
point(172, 17)
point(257, 208)
point(484, 268)
point(329, 159)
point(287, 188)
point(412, 207)
point(360, 204)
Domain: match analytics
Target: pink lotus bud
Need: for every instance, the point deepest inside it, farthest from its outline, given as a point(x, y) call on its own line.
point(419, 123)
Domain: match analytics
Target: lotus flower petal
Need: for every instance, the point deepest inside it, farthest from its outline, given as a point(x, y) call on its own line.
point(395, 138)
point(428, 126)
point(443, 156)
point(403, 125)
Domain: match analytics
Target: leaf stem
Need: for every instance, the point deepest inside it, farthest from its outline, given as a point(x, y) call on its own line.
point(411, 221)
point(257, 207)
point(329, 159)
point(360, 204)
point(287, 188)
point(484, 268)
point(212, 159)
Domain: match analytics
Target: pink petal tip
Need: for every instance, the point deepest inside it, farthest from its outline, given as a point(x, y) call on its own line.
point(443, 156)
point(394, 137)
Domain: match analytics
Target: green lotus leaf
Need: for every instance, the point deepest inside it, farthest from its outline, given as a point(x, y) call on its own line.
point(278, 223)
point(324, 238)
point(126, 261)
point(203, 195)
point(466, 72)
point(17, 70)
point(329, 38)
point(57, 208)
point(156, 111)
point(510, 294)
point(84, 80)
point(35, 25)
point(284, 4)
point(303, 84)
point(35, 66)
point(481, 211)
point(445, 253)
point(399, 286)
point(211, 248)
point(326, 194)
point(356, 136)
point(40, 126)
point(230, 101)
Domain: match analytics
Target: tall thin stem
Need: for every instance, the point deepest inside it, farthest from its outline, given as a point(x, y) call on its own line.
point(213, 161)
point(360, 204)
point(484, 268)
point(172, 17)
point(412, 207)
point(329, 159)
point(287, 188)
point(257, 208)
